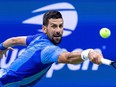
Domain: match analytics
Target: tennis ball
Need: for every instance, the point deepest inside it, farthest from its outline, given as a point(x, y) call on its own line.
point(105, 32)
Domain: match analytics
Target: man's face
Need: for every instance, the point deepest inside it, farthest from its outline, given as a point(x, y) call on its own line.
point(54, 30)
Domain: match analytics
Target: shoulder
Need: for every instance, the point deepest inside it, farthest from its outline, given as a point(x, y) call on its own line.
point(37, 37)
point(50, 54)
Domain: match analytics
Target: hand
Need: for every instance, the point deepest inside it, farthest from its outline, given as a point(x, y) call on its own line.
point(3, 52)
point(95, 57)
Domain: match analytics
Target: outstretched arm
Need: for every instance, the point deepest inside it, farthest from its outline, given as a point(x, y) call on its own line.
point(70, 57)
point(78, 57)
point(56, 54)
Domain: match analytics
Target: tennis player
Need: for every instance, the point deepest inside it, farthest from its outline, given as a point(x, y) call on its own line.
point(41, 52)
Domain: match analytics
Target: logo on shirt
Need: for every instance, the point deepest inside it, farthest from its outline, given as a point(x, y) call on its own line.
point(67, 10)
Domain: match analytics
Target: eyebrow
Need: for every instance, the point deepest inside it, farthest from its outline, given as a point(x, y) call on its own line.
point(55, 24)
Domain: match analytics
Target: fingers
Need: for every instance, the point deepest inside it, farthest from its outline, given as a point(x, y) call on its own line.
point(96, 60)
point(10, 48)
point(95, 57)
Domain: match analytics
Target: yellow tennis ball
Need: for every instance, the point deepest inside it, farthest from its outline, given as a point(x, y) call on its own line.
point(105, 32)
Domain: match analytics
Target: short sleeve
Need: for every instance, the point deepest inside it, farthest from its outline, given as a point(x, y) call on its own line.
point(30, 38)
point(50, 54)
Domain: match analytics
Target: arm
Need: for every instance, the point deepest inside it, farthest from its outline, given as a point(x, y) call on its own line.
point(56, 54)
point(20, 40)
point(76, 57)
point(14, 41)
point(70, 57)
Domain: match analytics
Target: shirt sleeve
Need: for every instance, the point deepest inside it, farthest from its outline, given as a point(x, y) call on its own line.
point(30, 38)
point(50, 54)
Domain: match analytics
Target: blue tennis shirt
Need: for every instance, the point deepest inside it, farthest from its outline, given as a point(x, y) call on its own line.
point(32, 64)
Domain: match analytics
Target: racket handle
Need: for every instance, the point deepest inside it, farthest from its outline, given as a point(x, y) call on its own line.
point(106, 61)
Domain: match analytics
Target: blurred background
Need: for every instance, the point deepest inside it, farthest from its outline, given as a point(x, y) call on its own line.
point(82, 21)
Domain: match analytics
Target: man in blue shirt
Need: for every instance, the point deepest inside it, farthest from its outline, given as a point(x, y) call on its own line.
point(41, 52)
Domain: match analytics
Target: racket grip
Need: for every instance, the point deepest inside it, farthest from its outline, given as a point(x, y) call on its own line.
point(106, 61)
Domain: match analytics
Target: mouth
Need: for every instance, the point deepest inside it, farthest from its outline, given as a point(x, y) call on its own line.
point(56, 39)
point(57, 35)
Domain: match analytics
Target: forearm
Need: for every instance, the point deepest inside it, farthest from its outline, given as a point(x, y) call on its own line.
point(9, 42)
point(75, 58)
point(14, 41)
point(70, 58)
point(78, 57)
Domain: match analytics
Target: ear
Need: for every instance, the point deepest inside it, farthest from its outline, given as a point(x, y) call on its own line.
point(44, 29)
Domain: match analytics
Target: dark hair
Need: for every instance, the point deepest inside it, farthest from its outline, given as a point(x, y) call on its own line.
point(51, 14)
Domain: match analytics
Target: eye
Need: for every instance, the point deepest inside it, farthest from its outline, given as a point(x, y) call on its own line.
point(54, 26)
point(61, 25)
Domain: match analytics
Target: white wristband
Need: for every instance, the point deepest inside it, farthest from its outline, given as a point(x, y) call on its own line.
point(84, 54)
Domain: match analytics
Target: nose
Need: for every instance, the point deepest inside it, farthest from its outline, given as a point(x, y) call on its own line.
point(58, 29)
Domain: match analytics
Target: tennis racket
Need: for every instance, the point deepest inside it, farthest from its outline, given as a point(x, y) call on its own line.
point(108, 62)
